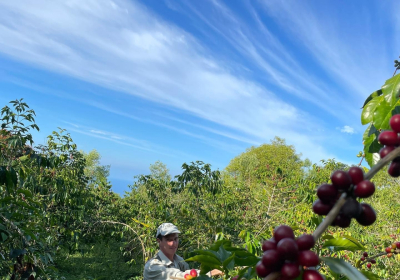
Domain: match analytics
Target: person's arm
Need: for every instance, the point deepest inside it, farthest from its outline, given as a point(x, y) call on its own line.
point(157, 271)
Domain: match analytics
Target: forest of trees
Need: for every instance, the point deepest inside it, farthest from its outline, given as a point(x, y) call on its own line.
point(60, 219)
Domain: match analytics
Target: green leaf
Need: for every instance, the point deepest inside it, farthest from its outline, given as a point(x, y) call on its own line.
point(391, 89)
point(371, 158)
point(342, 243)
point(223, 254)
point(207, 253)
point(367, 114)
point(342, 267)
point(229, 263)
point(16, 252)
point(26, 192)
point(246, 261)
point(372, 95)
point(203, 277)
point(11, 178)
point(4, 236)
point(247, 272)
point(327, 237)
point(370, 275)
point(219, 243)
point(355, 241)
point(382, 114)
point(203, 259)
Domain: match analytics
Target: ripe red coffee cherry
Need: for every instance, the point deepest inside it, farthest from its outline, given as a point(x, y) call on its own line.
point(363, 258)
point(312, 275)
point(388, 138)
point(305, 242)
point(320, 208)
point(342, 221)
point(262, 271)
point(236, 277)
point(327, 193)
point(356, 174)
point(394, 169)
point(367, 216)
point(351, 208)
point(308, 258)
point(395, 123)
point(373, 261)
point(290, 270)
point(283, 231)
point(386, 150)
point(287, 249)
point(398, 245)
point(364, 189)
point(341, 180)
point(365, 254)
point(388, 249)
point(271, 259)
point(369, 265)
point(268, 245)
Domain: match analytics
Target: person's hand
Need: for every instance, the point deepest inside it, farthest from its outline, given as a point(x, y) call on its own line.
point(216, 272)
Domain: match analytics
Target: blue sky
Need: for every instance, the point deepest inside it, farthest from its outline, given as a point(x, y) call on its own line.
point(180, 81)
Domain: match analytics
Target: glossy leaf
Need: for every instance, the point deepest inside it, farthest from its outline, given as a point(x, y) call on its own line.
point(341, 267)
point(342, 243)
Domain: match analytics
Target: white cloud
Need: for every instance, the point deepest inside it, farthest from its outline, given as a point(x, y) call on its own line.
point(350, 52)
point(120, 45)
point(347, 129)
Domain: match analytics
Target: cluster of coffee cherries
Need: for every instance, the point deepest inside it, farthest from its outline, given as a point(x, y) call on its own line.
point(393, 249)
point(352, 182)
point(287, 255)
point(370, 261)
point(391, 140)
point(193, 274)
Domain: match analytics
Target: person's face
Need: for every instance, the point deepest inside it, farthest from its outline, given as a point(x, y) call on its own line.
point(169, 244)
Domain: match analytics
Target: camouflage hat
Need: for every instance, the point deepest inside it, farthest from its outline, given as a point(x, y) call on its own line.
point(167, 228)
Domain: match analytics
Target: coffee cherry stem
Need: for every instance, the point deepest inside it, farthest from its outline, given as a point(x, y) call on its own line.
point(374, 257)
point(272, 276)
point(330, 217)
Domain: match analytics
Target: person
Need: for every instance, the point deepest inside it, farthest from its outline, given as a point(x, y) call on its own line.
point(166, 263)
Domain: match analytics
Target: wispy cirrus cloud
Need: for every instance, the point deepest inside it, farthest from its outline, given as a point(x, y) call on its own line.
point(349, 50)
point(120, 45)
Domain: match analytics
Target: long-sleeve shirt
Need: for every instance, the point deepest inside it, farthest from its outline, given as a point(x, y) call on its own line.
point(161, 268)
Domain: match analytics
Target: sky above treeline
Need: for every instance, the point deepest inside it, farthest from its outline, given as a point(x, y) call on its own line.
point(183, 80)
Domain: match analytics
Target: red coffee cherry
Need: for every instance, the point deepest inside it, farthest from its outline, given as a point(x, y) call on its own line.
point(383, 152)
point(388, 138)
point(327, 193)
point(356, 174)
point(290, 270)
point(262, 271)
point(287, 249)
point(308, 258)
point(364, 189)
point(367, 216)
point(268, 245)
point(305, 242)
point(320, 208)
point(341, 180)
point(395, 123)
point(283, 231)
point(312, 275)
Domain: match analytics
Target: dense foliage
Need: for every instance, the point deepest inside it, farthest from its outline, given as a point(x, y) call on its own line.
point(59, 218)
